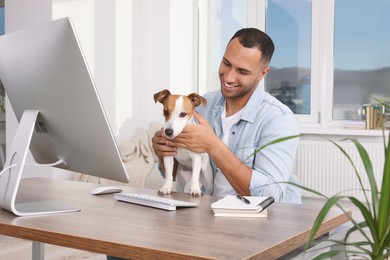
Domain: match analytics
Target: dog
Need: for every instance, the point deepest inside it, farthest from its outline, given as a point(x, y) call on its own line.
point(178, 112)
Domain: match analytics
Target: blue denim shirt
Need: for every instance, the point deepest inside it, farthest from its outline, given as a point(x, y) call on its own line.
point(264, 119)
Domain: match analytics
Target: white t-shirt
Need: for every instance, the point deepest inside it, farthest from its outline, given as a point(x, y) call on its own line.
point(222, 186)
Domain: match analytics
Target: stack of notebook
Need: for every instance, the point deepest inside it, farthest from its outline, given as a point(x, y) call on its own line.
point(242, 206)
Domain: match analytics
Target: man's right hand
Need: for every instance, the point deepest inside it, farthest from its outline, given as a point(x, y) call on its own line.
point(162, 146)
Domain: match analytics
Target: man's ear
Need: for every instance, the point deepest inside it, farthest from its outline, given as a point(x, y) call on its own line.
point(263, 73)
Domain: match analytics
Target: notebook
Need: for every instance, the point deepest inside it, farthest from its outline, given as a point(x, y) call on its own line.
point(235, 206)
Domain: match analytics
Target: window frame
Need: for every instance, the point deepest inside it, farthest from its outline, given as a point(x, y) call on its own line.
point(316, 118)
point(320, 120)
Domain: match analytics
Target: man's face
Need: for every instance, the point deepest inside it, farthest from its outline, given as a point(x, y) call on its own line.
point(240, 71)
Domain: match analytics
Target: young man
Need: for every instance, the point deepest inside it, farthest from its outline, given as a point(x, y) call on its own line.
point(240, 118)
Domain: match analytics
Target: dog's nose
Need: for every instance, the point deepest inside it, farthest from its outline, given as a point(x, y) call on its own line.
point(169, 132)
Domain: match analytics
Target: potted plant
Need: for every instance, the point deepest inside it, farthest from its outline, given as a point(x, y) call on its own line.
point(374, 230)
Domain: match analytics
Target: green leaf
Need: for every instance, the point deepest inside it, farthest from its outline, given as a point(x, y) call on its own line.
point(361, 246)
point(346, 253)
point(354, 167)
point(321, 216)
point(302, 187)
point(358, 244)
point(279, 140)
point(375, 228)
point(381, 102)
point(386, 241)
point(370, 174)
point(384, 203)
point(369, 219)
point(329, 254)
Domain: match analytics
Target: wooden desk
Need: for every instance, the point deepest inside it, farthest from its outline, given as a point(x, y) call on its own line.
point(125, 230)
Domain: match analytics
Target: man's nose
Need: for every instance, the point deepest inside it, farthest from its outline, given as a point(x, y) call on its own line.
point(229, 76)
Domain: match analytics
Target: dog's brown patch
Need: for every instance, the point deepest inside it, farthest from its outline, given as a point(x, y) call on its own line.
point(169, 101)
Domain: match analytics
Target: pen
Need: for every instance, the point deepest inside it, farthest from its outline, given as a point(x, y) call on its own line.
point(245, 200)
point(265, 203)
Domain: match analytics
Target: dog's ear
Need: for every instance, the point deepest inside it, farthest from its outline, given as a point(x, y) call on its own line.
point(161, 96)
point(197, 99)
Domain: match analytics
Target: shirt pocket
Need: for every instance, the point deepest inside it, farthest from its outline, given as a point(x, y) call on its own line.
point(246, 155)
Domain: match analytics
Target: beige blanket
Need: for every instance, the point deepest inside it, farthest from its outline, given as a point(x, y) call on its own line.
point(138, 157)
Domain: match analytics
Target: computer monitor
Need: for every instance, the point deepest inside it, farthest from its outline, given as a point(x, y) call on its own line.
point(51, 91)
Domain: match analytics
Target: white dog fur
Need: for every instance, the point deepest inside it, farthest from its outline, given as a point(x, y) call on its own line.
point(178, 112)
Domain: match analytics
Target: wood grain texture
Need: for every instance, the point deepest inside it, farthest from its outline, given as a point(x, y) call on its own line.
point(121, 229)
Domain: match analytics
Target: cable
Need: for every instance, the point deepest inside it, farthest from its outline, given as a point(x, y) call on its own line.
point(60, 161)
point(7, 168)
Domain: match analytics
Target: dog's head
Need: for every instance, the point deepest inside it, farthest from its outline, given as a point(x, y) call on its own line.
point(178, 110)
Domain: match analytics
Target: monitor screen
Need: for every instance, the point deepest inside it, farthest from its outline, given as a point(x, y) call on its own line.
point(43, 69)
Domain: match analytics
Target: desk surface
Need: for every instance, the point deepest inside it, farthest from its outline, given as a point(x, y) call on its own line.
point(122, 229)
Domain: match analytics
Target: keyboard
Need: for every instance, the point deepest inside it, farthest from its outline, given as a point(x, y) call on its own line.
point(153, 201)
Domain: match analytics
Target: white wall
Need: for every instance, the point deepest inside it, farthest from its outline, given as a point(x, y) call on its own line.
point(134, 49)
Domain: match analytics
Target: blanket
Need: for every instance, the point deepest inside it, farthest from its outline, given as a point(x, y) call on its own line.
point(138, 158)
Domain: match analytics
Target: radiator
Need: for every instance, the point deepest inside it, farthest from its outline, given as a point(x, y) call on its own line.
point(320, 165)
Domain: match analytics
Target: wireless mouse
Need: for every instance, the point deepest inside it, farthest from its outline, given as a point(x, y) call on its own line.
point(105, 190)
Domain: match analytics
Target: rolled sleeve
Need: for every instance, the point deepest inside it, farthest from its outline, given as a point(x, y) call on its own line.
point(273, 165)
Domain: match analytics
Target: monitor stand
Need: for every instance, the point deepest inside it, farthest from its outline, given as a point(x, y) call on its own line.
point(10, 179)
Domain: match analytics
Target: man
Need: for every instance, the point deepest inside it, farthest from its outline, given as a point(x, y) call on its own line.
point(239, 119)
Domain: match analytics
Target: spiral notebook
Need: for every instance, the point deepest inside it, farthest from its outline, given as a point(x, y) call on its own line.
point(242, 206)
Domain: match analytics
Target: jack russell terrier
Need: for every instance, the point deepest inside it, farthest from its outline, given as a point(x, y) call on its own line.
point(178, 112)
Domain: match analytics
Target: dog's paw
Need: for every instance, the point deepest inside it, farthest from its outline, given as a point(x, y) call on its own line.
point(195, 192)
point(165, 190)
point(195, 189)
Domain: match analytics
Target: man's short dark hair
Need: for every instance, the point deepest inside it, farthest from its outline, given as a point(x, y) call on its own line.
point(252, 37)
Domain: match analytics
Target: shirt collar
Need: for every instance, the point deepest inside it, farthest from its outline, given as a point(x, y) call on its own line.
point(250, 110)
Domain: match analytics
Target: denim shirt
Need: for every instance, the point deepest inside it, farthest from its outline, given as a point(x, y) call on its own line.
point(264, 119)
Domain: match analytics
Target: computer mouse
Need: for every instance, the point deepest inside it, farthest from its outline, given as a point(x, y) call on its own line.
point(105, 190)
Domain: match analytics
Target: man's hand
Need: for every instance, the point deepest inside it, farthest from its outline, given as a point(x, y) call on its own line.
point(161, 145)
point(197, 138)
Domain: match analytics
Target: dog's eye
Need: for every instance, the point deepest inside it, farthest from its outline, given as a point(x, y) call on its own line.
point(182, 114)
point(166, 112)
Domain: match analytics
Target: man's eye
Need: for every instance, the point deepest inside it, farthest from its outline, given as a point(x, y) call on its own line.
point(243, 72)
point(226, 63)
point(182, 114)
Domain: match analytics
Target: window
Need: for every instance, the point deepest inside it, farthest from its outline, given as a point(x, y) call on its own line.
point(288, 23)
point(226, 17)
point(361, 56)
point(330, 56)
